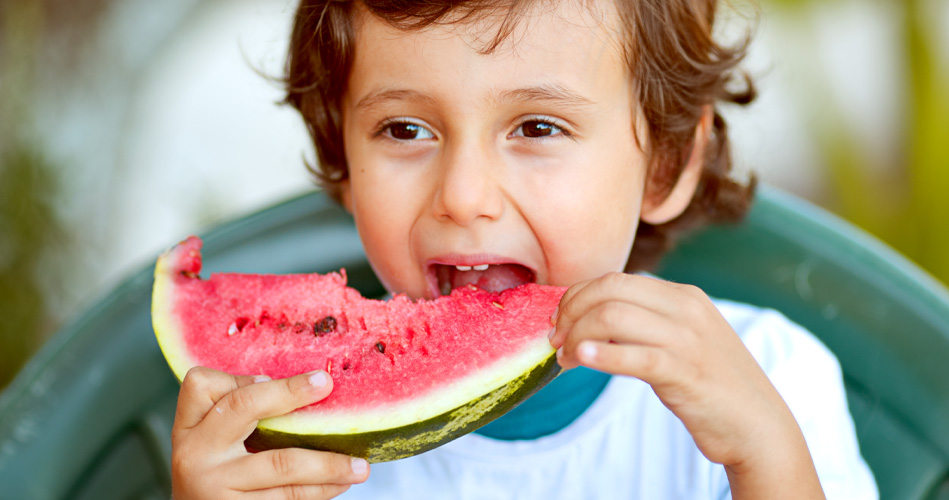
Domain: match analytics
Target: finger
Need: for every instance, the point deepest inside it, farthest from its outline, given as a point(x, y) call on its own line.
point(620, 322)
point(569, 294)
point(580, 298)
point(274, 468)
point(647, 363)
point(647, 292)
point(235, 416)
point(299, 491)
point(200, 389)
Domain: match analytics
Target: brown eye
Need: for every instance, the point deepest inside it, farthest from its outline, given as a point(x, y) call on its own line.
point(538, 128)
point(406, 131)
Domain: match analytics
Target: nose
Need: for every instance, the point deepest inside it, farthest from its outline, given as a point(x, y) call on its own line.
point(469, 186)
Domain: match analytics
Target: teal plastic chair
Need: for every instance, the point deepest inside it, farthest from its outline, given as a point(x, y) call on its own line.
point(89, 417)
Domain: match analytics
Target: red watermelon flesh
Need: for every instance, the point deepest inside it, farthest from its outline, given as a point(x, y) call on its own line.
point(387, 358)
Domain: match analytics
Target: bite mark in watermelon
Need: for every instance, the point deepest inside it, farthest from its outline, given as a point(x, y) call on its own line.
point(408, 375)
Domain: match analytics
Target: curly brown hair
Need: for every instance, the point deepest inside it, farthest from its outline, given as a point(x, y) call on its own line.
point(680, 71)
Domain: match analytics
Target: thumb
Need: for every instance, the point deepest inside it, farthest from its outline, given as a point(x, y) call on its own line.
point(235, 416)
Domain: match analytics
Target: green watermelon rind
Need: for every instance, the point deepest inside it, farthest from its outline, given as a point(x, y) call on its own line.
point(383, 434)
point(405, 441)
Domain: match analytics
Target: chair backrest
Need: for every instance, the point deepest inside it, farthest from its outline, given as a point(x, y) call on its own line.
point(90, 416)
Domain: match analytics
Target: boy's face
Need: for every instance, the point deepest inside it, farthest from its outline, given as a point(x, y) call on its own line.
point(523, 159)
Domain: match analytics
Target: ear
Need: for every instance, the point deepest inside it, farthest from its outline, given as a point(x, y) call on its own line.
point(662, 211)
point(345, 195)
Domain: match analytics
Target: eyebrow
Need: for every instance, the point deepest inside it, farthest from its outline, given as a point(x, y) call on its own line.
point(379, 97)
point(549, 94)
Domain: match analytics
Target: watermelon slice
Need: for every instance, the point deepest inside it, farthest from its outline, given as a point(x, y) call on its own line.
point(408, 375)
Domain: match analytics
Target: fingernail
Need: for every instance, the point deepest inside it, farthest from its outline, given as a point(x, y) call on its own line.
point(587, 351)
point(261, 378)
point(559, 353)
point(360, 465)
point(553, 317)
point(318, 379)
point(550, 335)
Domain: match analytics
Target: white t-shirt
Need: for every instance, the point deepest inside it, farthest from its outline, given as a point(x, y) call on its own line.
point(627, 445)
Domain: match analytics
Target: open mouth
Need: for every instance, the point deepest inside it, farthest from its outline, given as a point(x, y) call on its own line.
point(490, 277)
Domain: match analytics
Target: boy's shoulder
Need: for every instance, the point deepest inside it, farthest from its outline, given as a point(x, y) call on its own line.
point(776, 342)
point(809, 378)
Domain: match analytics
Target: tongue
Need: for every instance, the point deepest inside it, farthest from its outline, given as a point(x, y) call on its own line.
point(494, 279)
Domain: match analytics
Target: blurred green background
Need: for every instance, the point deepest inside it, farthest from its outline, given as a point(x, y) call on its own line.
point(124, 126)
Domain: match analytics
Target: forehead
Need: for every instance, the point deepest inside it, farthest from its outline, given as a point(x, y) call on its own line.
point(488, 24)
point(576, 42)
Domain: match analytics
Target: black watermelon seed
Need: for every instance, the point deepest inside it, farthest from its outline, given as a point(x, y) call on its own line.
point(381, 347)
point(324, 326)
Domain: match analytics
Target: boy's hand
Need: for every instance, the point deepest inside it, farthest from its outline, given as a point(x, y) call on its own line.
point(672, 337)
point(217, 412)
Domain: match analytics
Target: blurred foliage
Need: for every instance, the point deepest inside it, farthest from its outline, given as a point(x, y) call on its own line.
point(30, 229)
point(927, 139)
point(905, 204)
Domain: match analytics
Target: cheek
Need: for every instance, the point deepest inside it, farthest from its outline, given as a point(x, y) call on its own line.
point(386, 211)
point(602, 233)
point(383, 239)
point(593, 221)
point(376, 206)
point(377, 226)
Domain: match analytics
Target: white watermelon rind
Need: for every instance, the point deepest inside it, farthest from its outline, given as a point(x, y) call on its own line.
point(167, 329)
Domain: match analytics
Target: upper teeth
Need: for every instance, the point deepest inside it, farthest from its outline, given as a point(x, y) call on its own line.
point(480, 267)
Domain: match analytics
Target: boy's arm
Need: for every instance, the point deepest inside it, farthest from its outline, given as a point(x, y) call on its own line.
point(783, 470)
point(672, 337)
point(217, 412)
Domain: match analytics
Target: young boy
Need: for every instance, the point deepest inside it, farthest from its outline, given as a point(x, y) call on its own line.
point(506, 141)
